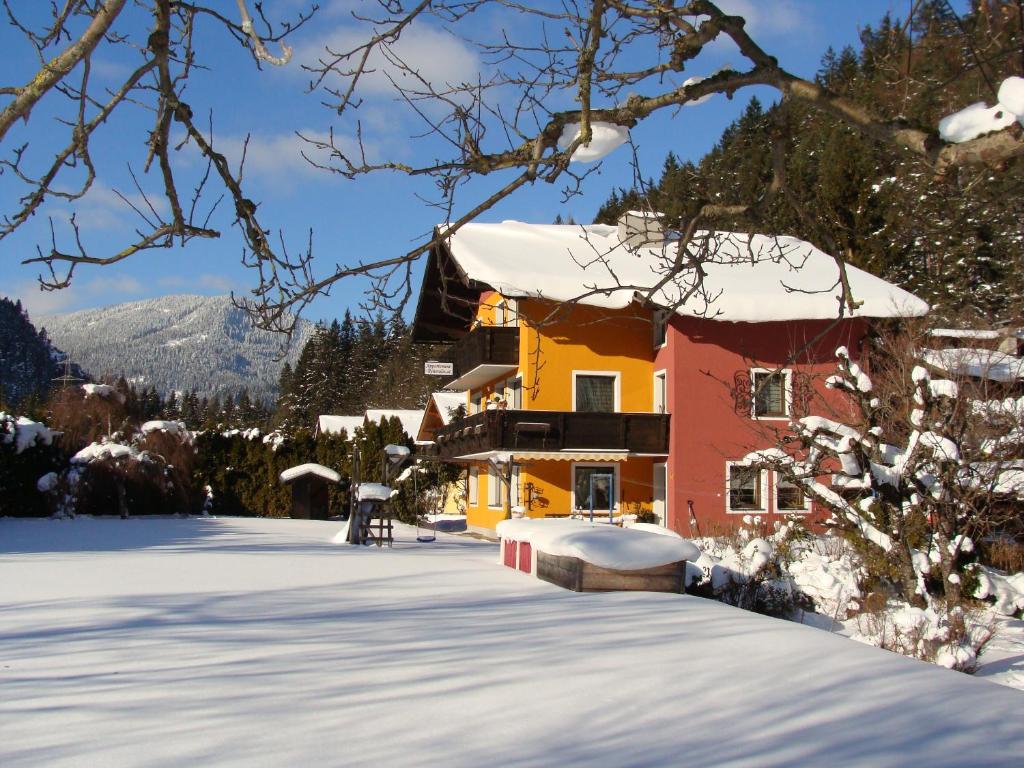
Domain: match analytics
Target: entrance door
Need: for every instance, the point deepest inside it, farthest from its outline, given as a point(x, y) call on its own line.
point(660, 484)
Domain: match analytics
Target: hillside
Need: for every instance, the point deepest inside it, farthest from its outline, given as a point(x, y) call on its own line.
point(201, 343)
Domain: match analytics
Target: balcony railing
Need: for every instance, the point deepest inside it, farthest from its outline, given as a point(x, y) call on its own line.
point(514, 430)
point(482, 352)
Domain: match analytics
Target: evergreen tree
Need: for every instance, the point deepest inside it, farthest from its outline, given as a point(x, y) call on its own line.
point(878, 207)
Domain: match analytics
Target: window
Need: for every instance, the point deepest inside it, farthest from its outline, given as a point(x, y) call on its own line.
point(500, 314)
point(789, 497)
point(596, 392)
point(473, 487)
point(745, 491)
point(660, 323)
point(602, 479)
point(514, 494)
point(514, 393)
point(474, 403)
point(661, 392)
point(771, 394)
point(493, 488)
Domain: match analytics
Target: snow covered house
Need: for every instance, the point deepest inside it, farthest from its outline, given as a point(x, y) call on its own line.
point(409, 419)
point(587, 390)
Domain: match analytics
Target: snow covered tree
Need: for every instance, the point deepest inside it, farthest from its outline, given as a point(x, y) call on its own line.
point(925, 471)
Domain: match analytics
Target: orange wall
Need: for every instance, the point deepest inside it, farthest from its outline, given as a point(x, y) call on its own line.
point(579, 338)
point(552, 482)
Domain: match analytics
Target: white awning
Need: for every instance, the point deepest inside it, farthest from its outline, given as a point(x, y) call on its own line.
point(581, 455)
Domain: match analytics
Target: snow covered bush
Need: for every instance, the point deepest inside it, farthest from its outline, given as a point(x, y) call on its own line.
point(911, 479)
point(28, 452)
point(952, 637)
point(145, 473)
point(748, 568)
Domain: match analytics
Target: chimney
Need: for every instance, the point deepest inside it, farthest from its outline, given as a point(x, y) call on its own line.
point(638, 229)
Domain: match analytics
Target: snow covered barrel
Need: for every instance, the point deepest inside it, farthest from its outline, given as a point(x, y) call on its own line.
point(597, 557)
point(310, 490)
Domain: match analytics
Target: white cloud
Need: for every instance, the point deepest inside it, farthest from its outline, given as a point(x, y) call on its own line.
point(109, 288)
point(278, 159)
point(217, 283)
point(766, 18)
point(438, 57)
point(102, 209)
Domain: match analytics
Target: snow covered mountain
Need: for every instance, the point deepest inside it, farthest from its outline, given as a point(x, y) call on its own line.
point(176, 343)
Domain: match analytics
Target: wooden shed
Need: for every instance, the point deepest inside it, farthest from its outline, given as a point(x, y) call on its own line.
point(310, 486)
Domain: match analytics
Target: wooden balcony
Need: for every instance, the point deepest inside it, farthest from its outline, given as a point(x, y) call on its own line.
point(553, 431)
point(482, 355)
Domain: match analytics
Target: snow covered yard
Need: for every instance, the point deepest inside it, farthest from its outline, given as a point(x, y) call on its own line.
point(258, 642)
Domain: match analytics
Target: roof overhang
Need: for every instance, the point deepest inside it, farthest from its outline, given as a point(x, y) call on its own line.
point(447, 301)
point(575, 455)
point(480, 376)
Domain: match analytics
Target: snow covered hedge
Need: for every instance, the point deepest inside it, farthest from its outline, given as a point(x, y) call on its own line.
point(28, 450)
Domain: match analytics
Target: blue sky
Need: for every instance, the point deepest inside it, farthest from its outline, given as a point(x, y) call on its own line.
point(372, 217)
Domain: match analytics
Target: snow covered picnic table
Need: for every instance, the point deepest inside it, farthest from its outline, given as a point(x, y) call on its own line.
point(251, 642)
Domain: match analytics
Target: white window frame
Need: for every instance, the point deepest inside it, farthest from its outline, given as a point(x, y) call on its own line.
point(663, 465)
point(787, 393)
point(617, 491)
point(476, 403)
point(494, 483)
point(513, 491)
point(502, 308)
point(511, 313)
point(473, 487)
point(763, 491)
point(775, 499)
point(662, 374)
point(507, 391)
point(617, 375)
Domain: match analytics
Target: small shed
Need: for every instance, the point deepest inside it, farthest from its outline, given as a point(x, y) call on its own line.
point(310, 485)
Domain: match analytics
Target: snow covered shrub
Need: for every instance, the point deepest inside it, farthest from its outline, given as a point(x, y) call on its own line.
point(950, 636)
point(28, 452)
point(145, 474)
point(914, 476)
point(747, 569)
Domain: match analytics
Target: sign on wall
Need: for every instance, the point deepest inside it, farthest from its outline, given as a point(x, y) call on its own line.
point(435, 368)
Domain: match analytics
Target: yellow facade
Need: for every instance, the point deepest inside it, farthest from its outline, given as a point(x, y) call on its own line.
point(556, 344)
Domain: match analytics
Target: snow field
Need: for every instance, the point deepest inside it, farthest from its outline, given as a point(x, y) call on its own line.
point(258, 642)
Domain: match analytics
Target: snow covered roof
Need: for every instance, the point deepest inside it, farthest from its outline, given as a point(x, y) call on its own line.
point(332, 425)
point(965, 333)
point(749, 278)
point(601, 544)
point(410, 419)
point(293, 473)
point(447, 402)
point(978, 363)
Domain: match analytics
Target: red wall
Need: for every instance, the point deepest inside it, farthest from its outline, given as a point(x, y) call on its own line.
point(701, 358)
